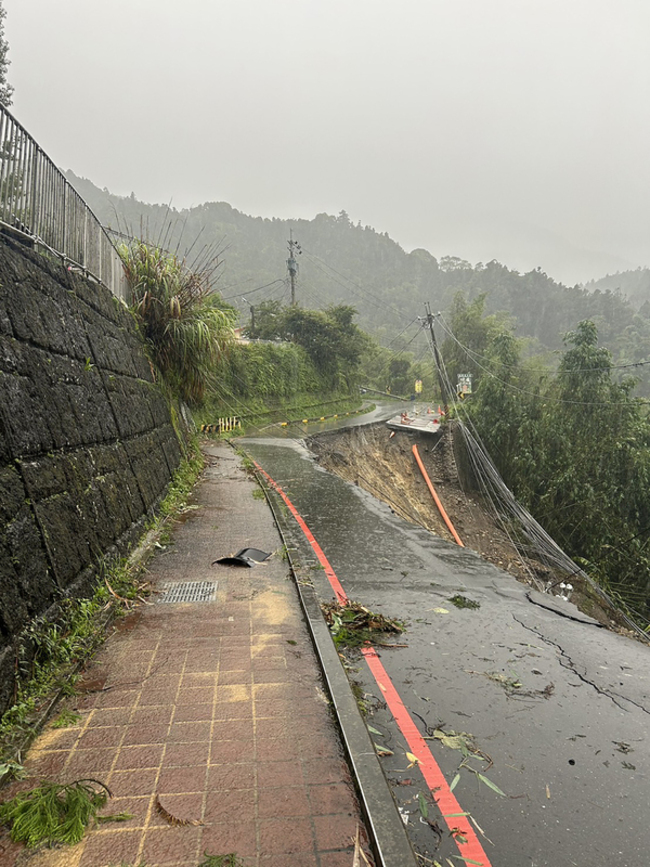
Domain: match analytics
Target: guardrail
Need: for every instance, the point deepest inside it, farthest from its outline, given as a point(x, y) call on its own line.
point(38, 203)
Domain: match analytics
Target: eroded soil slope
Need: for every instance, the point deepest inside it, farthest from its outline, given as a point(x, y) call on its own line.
point(384, 466)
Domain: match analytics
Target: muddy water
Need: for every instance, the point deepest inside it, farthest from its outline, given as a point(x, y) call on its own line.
point(560, 706)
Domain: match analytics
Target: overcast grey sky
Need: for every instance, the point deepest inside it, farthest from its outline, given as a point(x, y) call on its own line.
point(509, 129)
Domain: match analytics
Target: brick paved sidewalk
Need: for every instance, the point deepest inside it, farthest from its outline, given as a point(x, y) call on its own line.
point(213, 710)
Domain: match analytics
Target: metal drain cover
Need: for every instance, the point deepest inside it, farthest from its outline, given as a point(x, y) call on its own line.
point(189, 591)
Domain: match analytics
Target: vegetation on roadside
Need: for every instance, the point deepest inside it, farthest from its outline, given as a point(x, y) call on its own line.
point(185, 324)
point(66, 719)
point(265, 383)
point(292, 411)
point(572, 443)
point(333, 342)
point(51, 651)
point(344, 260)
point(6, 89)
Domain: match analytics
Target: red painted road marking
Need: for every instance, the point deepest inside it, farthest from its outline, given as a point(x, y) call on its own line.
point(341, 595)
point(443, 796)
point(471, 849)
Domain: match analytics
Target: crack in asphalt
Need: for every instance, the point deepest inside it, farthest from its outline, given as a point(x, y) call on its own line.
point(562, 614)
point(567, 663)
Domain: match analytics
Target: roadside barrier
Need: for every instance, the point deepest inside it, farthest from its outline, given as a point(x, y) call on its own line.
point(232, 423)
point(222, 425)
point(323, 417)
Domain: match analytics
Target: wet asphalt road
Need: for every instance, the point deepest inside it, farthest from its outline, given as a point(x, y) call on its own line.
point(559, 704)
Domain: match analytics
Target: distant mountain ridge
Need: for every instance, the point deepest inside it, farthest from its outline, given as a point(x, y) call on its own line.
point(634, 285)
point(343, 262)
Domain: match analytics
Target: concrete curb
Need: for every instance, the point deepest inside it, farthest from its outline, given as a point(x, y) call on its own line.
point(389, 840)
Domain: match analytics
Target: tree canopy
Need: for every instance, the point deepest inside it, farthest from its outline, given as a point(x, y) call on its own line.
point(6, 89)
point(573, 446)
point(332, 340)
point(345, 263)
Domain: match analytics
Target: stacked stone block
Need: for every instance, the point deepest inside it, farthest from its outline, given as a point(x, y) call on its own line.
point(87, 447)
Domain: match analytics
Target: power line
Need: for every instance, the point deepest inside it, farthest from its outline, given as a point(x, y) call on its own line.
point(473, 354)
point(504, 504)
point(365, 293)
point(258, 289)
point(547, 398)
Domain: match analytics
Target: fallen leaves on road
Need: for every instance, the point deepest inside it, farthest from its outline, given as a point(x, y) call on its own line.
point(353, 625)
point(174, 820)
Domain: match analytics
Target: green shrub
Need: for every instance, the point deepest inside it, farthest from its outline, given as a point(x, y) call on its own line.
point(186, 325)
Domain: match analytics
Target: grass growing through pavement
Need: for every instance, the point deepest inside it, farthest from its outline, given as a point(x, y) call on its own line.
point(66, 719)
point(221, 861)
point(463, 602)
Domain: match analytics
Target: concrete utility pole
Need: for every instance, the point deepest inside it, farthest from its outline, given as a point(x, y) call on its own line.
point(441, 379)
point(292, 265)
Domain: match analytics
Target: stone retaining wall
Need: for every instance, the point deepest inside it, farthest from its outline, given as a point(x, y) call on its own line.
point(87, 447)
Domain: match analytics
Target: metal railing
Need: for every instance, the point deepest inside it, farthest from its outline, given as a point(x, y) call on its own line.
point(38, 202)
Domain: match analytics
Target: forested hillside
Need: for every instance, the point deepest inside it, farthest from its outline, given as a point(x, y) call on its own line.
point(574, 447)
point(343, 262)
point(633, 285)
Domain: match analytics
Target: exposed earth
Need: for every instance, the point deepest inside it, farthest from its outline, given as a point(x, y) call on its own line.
point(382, 463)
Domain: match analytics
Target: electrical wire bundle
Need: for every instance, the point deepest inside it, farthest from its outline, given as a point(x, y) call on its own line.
point(526, 535)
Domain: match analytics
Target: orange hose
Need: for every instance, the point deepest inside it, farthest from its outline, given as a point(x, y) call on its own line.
point(436, 498)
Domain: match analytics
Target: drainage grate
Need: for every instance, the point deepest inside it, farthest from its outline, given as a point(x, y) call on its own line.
point(189, 591)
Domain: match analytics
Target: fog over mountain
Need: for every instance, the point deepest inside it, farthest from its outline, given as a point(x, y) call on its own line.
point(515, 129)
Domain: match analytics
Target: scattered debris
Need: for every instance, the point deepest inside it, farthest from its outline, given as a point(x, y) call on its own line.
point(513, 686)
point(435, 827)
point(246, 557)
point(359, 854)
point(464, 743)
point(174, 820)
point(463, 602)
point(353, 625)
point(14, 770)
point(479, 829)
point(55, 813)
point(458, 836)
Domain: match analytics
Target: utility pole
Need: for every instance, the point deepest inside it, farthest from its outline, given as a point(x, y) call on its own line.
point(292, 265)
point(251, 307)
point(441, 379)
